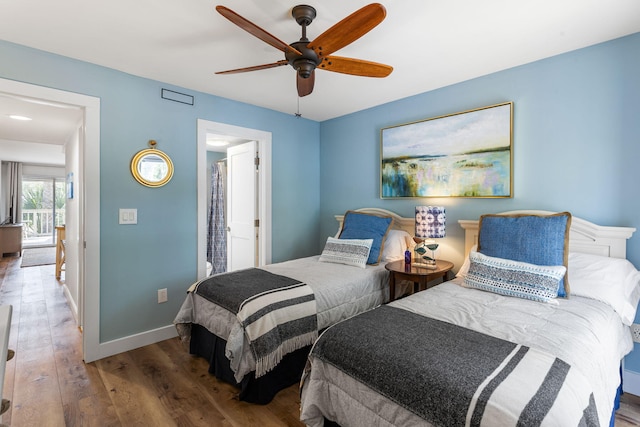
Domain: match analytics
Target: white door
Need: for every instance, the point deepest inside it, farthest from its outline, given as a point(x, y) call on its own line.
point(242, 233)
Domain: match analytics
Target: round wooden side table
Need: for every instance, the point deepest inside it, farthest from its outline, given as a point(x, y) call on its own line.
point(416, 274)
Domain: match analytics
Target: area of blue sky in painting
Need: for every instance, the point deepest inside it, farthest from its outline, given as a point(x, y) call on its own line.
point(458, 133)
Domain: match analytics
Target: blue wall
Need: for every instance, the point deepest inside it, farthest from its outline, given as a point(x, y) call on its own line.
point(576, 144)
point(160, 251)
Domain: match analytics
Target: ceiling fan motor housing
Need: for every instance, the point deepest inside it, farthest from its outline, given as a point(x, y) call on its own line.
point(307, 62)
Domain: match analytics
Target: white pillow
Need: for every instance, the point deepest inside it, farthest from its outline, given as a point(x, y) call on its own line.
point(513, 278)
point(465, 265)
point(396, 243)
point(353, 252)
point(614, 281)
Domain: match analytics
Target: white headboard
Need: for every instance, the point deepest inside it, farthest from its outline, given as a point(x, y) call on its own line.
point(399, 223)
point(584, 236)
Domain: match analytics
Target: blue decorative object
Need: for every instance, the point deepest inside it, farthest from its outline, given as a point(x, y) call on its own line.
point(534, 239)
point(358, 225)
point(70, 185)
point(431, 224)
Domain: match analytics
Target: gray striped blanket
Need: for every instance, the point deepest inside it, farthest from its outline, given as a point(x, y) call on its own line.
point(278, 314)
point(452, 376)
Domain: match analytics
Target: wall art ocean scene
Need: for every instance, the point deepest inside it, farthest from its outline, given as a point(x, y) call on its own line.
point(467, 154)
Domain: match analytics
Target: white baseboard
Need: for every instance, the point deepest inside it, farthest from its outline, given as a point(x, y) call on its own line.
point(631, 382)
point(132, 342)
point(71, 302)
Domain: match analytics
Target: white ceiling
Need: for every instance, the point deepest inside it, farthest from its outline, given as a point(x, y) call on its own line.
point(429, 43)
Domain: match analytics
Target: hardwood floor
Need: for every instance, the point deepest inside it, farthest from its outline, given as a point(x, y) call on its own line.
point(157, 385)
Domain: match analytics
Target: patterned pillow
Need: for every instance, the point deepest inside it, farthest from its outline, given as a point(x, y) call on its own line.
point(535, 239)
point(353, 252)
point(513, 278)
point(359, 225)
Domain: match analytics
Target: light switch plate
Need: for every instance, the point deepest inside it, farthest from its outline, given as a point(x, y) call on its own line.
point(128, 216)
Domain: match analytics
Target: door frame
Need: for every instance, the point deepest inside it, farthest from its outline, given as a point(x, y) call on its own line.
point(264, 187)
point(88, 304)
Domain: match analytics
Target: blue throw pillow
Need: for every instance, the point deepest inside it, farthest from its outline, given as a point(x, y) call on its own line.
point(359, 225)
point(534, 239)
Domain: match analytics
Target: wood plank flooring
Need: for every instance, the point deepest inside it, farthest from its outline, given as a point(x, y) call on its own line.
point(157, 385)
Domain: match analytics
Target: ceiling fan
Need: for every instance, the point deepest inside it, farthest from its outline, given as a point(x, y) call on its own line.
point(305, 56)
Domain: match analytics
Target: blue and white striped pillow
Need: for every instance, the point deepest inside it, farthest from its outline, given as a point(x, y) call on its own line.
point(513, 278)
point(353, 252)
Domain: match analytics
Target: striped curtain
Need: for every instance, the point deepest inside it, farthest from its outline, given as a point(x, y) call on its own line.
point(217, 233)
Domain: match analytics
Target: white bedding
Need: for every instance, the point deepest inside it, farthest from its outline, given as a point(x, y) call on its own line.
point(341, 291)
point(585, 333)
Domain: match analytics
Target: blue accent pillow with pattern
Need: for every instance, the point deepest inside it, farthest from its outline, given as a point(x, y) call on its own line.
point(534, 239)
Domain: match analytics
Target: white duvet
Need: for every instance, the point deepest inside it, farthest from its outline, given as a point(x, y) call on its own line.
point(585, 333)
point(341, 291)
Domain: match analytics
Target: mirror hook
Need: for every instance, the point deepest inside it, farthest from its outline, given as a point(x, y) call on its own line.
point(152, 143)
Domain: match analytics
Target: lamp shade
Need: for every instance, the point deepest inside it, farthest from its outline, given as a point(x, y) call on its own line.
point(430, 222)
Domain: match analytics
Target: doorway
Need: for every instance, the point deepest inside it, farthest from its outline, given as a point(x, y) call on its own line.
point(83, 157)
point(263, 141)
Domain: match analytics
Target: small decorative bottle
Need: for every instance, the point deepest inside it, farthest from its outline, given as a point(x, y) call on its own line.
point(407, 258)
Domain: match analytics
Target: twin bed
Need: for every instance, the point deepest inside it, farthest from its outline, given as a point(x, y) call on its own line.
point(342, 287)
point(481, 353)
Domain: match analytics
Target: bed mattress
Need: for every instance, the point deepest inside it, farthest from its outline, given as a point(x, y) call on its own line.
point(570, 329)
point(340, 291)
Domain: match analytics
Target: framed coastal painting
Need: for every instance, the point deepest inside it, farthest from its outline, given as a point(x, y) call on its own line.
point(466, 154)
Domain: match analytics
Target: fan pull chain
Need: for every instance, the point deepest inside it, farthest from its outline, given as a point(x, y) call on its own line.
point(298, 112)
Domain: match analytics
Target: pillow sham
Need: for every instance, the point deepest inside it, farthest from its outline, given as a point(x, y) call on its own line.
point(614, 281)
point(353, 252)
point(534, 239)
point(513, 278)
point(396, 242)
point(358, 225)
point(464, 269)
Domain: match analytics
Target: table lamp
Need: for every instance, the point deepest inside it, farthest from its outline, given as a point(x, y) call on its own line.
point(430, 224)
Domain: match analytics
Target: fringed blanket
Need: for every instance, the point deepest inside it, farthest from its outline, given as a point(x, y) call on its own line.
point(452, 376)
point(277, 313)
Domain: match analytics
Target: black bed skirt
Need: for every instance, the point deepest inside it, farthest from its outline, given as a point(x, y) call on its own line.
point(254, 390)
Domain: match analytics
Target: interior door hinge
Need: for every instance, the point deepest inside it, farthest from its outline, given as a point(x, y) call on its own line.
point(256, 161)
point(256, 222)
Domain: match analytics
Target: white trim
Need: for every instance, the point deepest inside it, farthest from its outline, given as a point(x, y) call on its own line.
point(141, 339)
point(631, 382)
point(89, 264)
point(264, 204)
point(72, 304)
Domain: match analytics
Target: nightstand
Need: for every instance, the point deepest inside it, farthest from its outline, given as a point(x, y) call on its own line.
point(420, 276)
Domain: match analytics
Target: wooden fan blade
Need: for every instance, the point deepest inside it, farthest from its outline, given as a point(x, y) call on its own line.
point(255, 67)
point(253, 29)
point(305, 86)
point(356, 67)
point(348, 30)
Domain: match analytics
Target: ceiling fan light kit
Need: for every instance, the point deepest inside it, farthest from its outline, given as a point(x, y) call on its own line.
point(305, 56)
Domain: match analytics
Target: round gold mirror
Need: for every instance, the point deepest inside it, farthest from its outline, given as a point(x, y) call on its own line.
point(151, 167)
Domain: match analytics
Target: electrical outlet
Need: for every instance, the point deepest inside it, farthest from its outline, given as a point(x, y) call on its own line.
point(635, 332)
point(162, 295)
